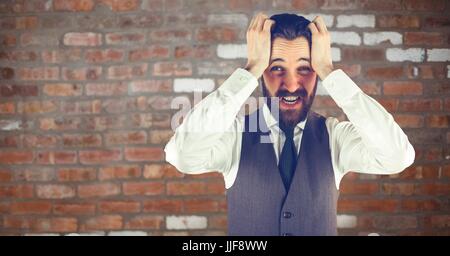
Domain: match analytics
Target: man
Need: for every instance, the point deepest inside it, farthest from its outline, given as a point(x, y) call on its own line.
point(289, 186)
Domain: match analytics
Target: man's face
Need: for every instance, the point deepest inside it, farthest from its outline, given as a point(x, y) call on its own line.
point(290, 77)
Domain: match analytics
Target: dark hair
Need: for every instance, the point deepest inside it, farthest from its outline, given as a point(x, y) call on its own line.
point(290, 26)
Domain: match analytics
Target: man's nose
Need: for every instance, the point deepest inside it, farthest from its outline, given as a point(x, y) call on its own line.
point(292, 82)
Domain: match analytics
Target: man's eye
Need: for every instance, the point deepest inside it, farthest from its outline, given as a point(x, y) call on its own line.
point(276, 68)
point(304, 71)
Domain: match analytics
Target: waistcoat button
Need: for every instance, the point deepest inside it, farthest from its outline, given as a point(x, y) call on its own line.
point(287, 215)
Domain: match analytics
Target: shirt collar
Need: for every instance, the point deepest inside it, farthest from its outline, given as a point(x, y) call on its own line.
point(271, 121)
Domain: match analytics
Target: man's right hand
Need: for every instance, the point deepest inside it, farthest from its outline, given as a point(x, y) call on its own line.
point(258, 44)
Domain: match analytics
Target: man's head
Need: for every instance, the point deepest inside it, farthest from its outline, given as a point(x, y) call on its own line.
point(289, 75)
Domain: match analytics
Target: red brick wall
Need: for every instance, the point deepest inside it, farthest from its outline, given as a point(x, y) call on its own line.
point(86, 88)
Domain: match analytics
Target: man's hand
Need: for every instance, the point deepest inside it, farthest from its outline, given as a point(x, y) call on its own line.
point(321, 48)
point(258, 44)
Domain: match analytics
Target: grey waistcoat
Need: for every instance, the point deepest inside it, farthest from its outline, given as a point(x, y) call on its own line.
point(258, 203)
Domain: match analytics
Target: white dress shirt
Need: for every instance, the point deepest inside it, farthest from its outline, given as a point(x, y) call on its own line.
point(209, 139)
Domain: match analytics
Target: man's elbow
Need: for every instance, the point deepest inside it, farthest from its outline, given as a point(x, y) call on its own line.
point(402, 160)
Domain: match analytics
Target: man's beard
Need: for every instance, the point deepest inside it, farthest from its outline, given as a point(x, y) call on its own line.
point(289, 118)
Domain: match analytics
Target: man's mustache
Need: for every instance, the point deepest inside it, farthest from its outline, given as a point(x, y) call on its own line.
point(301, 92)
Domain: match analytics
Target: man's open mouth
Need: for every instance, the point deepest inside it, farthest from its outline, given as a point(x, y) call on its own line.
point(290, 100)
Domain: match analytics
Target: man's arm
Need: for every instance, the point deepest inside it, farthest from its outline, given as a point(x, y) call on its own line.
point(209, 138)
point(371, 142)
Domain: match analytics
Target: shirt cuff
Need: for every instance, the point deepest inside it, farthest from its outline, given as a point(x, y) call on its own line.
point(340, 86)
point(241, 82)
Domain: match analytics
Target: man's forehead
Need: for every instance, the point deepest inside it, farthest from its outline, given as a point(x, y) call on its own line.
point(283, 49)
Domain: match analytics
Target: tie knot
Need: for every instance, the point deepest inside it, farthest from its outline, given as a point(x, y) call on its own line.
point(289, 133)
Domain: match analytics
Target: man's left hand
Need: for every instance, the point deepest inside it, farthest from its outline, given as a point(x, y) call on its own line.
point(320, 48)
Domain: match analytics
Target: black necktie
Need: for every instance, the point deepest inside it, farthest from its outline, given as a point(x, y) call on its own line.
point(288, 158)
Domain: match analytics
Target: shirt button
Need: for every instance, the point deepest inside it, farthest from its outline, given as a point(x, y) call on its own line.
point(287, 215)
point(244, 79)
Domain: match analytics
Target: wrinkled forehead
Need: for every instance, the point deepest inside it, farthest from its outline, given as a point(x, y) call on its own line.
point(290, 50)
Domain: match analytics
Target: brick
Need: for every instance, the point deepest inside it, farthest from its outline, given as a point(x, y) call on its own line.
point(201, 205)
point(119, 172)
point(11, 90)
point(359, 188)
point(345, 38)
point(143, 188)
point(9, 125)
point(100, 56)
point(424, 5)
point(172, 69)
point(232, 51)
point(394, 222)
point(82, 107)
point(56, 157)
point(73, 5)
point(16, 191)
point(391, 72)
point(59, 123)
point(149, 53)
point(194, 51)
point(391, 105)
point(76, 174)
point(436, 22)
point(438, 121)
point(127, 71)
point(41, 39)
point(222, 34)
point(16, 157)
point(420, 105)
point(207, 68)
point(8, 40)
point(405, 189)
point(106, 89)
point(360, 21)
point(186, 188)
point(170, 35)
point(7, 108)
point(29, 56)
point(61, 56)
point(346, 221)
point(5, 176)
point(418, 205)
point(376, 38)
point(121, 5)
point(124, 38)
point(143, 154)
point(150, 86)
point(160, 136)
point(59, 224)
point(81, 74)
point(438, 55)
point(100, 156)
point(398, 21)
point(98, 190)
point(437, 221)
point(402, 88)
point(37, 107)
point(9, 140)
point(232, 19)
point(82, 39)
point(435, 189)
point(192, 85)
point(55, 191)
point(361, 54)
point(401, 55)
point(62, 89)
point(335, 54)
point(73, 208)
point(162, 206)
point(409, 121)
point(37, 74)
point(424, 38)
point(119, 206)
point(186, 222)
point(127, 233)
point(135, 137)
point(102, 222)
point(145, 222)
point(369, 205)
point(41, 141)
point(6, 73)
point(31, 207)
